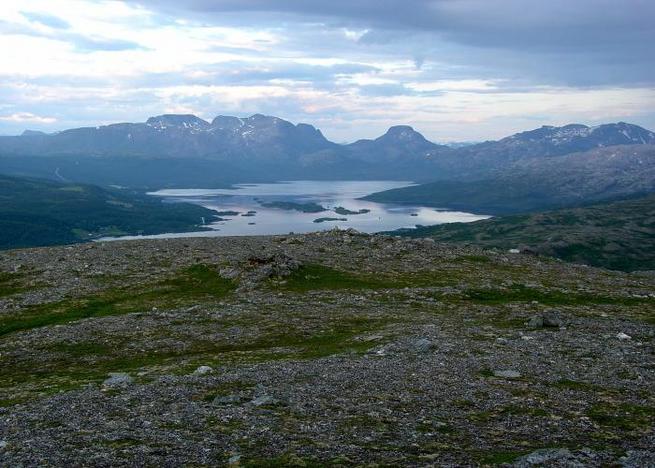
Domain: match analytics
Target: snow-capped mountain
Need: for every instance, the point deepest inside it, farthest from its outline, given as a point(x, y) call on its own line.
point(269, 148)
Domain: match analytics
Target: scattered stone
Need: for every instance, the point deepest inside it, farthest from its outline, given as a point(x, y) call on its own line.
point(552, 319)
point(347, 364)
point(234, 460)
point(3, 444)
point(545, 457)
point(226, 400)
point(117, 380)
point(637, 459)
point(265, 400)
point(549, 318)
point(536, 322)
point(623, 336)
point(507, 374)
point(203, 370)
point(423, 345)
point(529, 251)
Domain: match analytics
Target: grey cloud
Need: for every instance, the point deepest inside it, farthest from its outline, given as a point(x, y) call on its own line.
point(253, 73)
point(385, 90)
point(606, 41)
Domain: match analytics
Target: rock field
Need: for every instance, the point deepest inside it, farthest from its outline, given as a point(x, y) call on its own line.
point(326, 349)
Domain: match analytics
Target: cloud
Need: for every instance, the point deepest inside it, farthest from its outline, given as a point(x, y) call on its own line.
point(577, 42)
point(89, 44)
point(47, 20)
point(27, 117)
point(455, 69)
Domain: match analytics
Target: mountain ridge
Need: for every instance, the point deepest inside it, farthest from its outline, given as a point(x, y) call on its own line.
point(603, 135)
point(267, 148)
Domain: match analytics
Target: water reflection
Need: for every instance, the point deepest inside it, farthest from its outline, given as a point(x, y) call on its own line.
point(329, 194)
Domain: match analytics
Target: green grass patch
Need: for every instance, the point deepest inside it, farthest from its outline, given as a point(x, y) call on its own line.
point(521, 293)
point(316, 277)
point(505, 411)
point(476, 258)
point(624, 416)
point(192, 284)
point(10, 283)
point(224, 389)
point(74, 364)
point(577, 385)
point(319, 277)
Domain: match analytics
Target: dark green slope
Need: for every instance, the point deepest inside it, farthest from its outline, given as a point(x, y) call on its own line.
point(576, 179)
point(36, 212)
point(618, 235)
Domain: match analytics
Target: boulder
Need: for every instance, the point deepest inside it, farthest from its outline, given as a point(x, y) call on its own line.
point(203, 370)
point(227, 400)
point(422, 345)
point(117, 380)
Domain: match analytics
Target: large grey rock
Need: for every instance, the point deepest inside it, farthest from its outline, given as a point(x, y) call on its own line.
point(227, 400)
point(203, 370)
point(546, 457)
point(536, 322)
point(422, 345)
point(118, 380)
point(265, 400)
point(550, 318)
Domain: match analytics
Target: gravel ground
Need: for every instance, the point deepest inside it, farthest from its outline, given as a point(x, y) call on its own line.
point(326, 349)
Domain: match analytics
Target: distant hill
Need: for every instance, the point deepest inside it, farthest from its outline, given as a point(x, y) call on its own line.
point(177, 136)
point(186, 151)
point(483, 159)
point(618, 235)
point(36, 212)
point(542, 183)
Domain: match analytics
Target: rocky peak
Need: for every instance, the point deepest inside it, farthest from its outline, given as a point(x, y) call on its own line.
point(189, 121)
point(33, 133)
point(602, 135)
point(403, 133)
point(226, 122)
point(624, 133)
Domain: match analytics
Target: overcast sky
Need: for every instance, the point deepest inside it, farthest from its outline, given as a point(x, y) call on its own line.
point(456, 70)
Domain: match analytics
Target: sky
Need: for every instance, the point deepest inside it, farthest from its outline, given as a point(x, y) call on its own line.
point(456, 70)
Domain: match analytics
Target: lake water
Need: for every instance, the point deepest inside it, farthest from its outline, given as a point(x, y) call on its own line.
point(246, 198)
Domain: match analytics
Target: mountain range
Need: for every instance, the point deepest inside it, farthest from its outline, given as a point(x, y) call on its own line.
point(541, 183)
point(184, 150)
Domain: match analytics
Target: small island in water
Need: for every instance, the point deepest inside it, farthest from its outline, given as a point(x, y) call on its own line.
point(345, 211)
point(324, 220)
point(293, 206)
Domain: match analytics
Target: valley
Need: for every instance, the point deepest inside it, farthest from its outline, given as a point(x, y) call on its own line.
point(308, 234)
